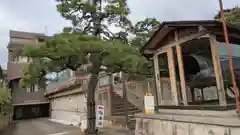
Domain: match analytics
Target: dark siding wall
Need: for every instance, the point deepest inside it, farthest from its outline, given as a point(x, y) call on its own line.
point(21, 96)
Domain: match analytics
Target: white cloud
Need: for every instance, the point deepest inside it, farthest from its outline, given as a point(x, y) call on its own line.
point(169, 10)
point(35, 15)
point(30, 16)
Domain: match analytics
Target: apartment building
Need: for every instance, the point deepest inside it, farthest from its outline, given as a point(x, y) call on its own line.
point(27, 102)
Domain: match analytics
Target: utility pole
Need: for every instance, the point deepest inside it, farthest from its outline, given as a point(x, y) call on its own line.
point(225, 31)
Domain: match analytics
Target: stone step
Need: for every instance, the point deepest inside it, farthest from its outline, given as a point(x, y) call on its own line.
point(120, 102)
point(130, 109)
point(122, 105)
point(118, 110)
point(122, 112)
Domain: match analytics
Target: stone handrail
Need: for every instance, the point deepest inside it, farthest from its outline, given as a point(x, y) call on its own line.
point(135, 100)
point(135, 92)
point(137, 88)
point(132, 98)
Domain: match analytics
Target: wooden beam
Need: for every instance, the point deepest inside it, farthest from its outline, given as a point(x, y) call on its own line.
point(180, 41)
point(164, 31)
point(172, 74)
point(157, 80)
point(148, 52)
point(181, 71)
point(218, 71)
point(233, 35)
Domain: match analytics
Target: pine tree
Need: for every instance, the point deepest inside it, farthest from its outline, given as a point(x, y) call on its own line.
point(78, 45)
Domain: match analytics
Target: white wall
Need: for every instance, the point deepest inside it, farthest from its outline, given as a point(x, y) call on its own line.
point(69, 109)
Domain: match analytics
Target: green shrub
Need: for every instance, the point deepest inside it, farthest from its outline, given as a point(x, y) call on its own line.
point(5, 99)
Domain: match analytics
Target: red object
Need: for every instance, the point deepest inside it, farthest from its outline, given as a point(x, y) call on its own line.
point(229, 57)
point(100, 107)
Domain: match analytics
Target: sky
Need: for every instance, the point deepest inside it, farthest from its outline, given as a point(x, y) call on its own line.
point(42, 16)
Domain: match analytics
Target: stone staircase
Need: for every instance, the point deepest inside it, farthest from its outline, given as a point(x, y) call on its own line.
point(118, 110)
point(135, 100)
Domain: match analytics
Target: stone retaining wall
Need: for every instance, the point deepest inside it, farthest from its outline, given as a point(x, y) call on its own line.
point(175, 122)
point(4, 122)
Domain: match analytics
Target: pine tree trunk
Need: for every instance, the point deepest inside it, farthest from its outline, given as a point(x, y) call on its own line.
point(91, 112)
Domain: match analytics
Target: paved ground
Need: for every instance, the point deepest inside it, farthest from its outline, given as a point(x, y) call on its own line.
point(40, 127)
point(46, 127)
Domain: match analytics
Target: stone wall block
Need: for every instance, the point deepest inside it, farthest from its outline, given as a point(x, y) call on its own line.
point(200, 129)
point(139, 126)
point(167, 128)
point(234, 131)
point(157, 127)
point(181, 128)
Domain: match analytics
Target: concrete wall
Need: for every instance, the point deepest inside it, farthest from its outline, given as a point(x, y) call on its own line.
point(4, 122)
point(70, 109)
point(177, 122)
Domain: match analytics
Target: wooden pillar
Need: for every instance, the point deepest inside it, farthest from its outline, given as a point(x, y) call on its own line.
point(157, 80)
point(181, 71)
point(172, 73)
point(218, 71)
point(193, 94)
point(202, 94)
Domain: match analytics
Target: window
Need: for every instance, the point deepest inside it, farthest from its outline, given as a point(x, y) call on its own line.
point(226, 73)
point(29, 59)
point(28, 89)
point(105, 80)
point(20, 59)
point(40, 40)
point(10, 55)
point(163, 65)
point(32, 88)
point(16, 59)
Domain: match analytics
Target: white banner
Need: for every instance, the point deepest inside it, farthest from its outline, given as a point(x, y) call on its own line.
point(149, 103)
point(99, 115)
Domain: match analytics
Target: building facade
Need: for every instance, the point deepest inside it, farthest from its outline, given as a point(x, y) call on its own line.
point(27, 102)
point(67, 96)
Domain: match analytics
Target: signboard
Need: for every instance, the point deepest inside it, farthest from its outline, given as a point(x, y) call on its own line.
point(149, 103)
point(99, 116)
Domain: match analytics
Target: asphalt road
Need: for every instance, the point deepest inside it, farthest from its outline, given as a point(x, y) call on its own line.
point(45, 127)
point(40, 127)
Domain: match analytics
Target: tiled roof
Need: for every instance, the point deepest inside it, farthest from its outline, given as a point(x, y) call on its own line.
point(28, 35)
